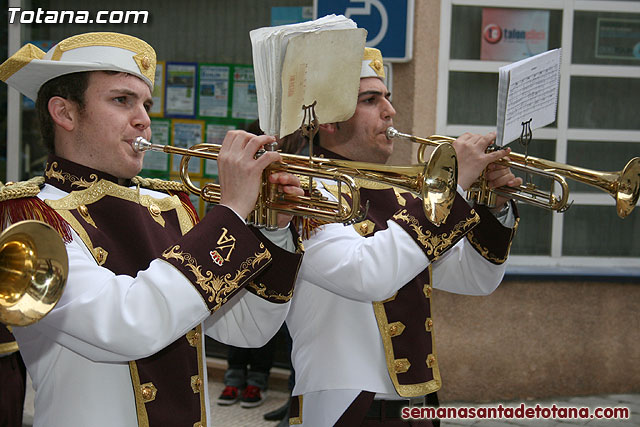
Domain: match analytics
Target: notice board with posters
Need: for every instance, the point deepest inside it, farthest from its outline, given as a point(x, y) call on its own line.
point(513, 34)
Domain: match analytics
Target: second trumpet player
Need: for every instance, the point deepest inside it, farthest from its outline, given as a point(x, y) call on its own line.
point(361, 319)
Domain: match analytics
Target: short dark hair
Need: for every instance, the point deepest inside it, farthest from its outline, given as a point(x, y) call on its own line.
point(68, 86)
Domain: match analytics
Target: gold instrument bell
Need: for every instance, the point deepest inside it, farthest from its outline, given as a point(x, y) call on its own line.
point(33, 271)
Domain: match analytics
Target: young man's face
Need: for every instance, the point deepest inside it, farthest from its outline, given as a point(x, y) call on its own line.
point(115, 114)
point(362, 137)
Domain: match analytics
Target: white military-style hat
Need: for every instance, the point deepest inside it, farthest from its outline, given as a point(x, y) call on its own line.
point(372, 65)
point(30, 67)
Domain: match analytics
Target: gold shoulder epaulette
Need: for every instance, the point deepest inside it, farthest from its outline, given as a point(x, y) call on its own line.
point(158, 184)
point(21, 189)
point(19, 202)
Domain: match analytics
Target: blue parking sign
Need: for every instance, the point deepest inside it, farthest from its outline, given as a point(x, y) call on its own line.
point(389, 23)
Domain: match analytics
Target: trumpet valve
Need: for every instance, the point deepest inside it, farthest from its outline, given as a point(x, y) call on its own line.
point(271, 146)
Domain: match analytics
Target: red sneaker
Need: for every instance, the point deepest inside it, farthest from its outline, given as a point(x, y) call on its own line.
point(252, 397)
point(229, 396)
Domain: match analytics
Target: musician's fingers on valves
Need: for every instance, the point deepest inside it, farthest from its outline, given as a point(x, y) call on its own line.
point(473, 158)
point(501, 176)
point(240, 172)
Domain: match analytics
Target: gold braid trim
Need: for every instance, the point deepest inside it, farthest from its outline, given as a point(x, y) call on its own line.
point(297, 418)
point(219, 288)
point(405, 390)
point(51, 173)
point(19, 190)
point(18, 60)
point(436, 244)
point(158, 184)
point(8, 347)
point(486, 253)
point(141, 410)
point(262, 291)
point(145, 56)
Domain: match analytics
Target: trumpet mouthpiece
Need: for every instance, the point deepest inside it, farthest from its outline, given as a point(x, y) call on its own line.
point(140, 144)
point(391, 132)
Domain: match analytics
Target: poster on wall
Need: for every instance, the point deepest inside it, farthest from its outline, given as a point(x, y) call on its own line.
point(245, 98)
point(215, 133)
point(180, 93)
point(213, 90)
point(513, 34)
point(157, 109)
point(618, 39)
point(155, 163)
point(187, 133)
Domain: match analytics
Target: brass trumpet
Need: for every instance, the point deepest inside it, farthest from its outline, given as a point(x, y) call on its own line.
point(33, 271)
point(623, 186)
point(435, 182)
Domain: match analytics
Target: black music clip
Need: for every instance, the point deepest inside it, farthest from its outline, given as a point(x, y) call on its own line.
point(526, 135)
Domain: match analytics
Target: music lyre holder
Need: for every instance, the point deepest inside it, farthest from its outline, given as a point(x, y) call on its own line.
point(525, 138)
point(309, 126)
point(526, 135)
point(309, 129)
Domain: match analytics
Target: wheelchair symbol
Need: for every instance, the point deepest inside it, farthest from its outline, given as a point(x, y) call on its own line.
point(366, 10)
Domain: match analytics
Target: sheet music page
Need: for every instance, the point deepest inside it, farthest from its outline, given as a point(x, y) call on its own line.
point(269, 46)
point(322, 67)
point(527, 90)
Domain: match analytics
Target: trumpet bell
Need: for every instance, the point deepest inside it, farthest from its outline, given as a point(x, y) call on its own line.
point(440, 183)
point(628, 188)
point(33, 272)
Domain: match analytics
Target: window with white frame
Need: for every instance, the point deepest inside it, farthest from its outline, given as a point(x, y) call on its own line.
point(597, 125)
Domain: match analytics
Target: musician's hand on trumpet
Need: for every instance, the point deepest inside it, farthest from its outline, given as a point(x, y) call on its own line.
point(240, 173)
point(287, 184)
point(474, 160)
point(501, 176)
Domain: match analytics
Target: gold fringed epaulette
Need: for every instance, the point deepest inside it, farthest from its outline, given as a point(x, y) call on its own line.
point(307, 226)
point(187, 205)
point(19, 202)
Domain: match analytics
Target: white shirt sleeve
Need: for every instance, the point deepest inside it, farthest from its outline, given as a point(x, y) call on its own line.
point(374, 268)
point(246, 321)
point(281, 237)
point(462, 270)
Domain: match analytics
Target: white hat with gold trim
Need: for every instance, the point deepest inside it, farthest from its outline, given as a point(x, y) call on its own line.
point(372, 64)
point(29, 68)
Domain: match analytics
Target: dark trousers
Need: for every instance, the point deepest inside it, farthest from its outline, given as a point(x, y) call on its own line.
point(13, 383)
point(249, 366)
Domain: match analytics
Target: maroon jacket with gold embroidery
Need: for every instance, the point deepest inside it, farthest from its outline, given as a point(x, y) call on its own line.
point(361, 315)
point(146, 280)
